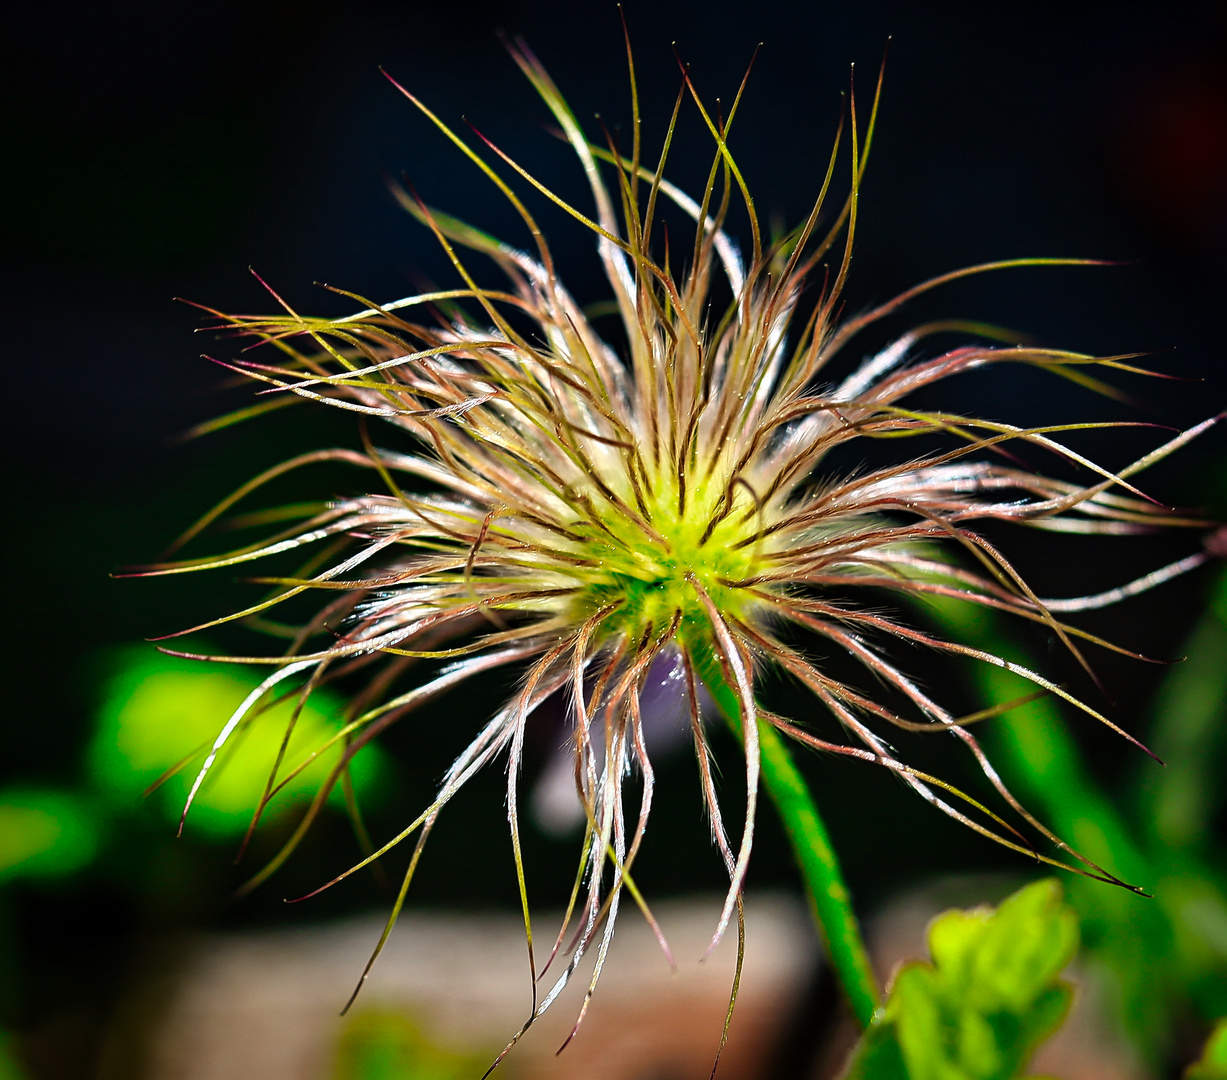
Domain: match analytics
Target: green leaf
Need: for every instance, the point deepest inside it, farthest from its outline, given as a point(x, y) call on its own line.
point(1165, 955)
point(990, 996)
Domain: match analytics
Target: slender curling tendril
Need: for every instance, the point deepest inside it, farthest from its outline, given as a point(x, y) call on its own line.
point(577, 512)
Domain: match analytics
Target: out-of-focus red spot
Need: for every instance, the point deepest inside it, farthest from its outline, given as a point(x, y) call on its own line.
point(1172, 154)
point(1216, 542)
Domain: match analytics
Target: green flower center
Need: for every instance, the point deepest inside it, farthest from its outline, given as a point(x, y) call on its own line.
point(654, 573)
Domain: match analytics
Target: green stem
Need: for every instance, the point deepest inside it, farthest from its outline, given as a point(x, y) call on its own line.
point(811, 845)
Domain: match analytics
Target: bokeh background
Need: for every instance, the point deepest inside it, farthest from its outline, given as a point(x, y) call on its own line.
point(157, 151)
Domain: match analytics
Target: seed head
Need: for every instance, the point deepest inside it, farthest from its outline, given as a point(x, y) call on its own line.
point(578, 510)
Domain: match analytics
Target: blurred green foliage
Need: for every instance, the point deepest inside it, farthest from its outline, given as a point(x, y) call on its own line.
point(162, 713)
point(385, 1044)
point(992, 993)
point(1212, 1065)
point(1164, 958)
point(157, 718)
point(9, 1069)
point(45, 833)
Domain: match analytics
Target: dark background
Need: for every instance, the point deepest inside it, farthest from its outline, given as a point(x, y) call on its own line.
point(159, 150)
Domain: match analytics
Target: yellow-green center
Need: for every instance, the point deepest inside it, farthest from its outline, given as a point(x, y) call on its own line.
point(655, 574)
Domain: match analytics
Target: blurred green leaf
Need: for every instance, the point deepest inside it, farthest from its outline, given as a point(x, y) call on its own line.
point(1189, 734)
point(991, 994)
point(9, 1068)
point(44, 833)
point(159, 712)
point(386, 1044)
point(1212, 1065)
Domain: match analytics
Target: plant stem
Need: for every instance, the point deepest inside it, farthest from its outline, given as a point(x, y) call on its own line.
point(811, 845)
